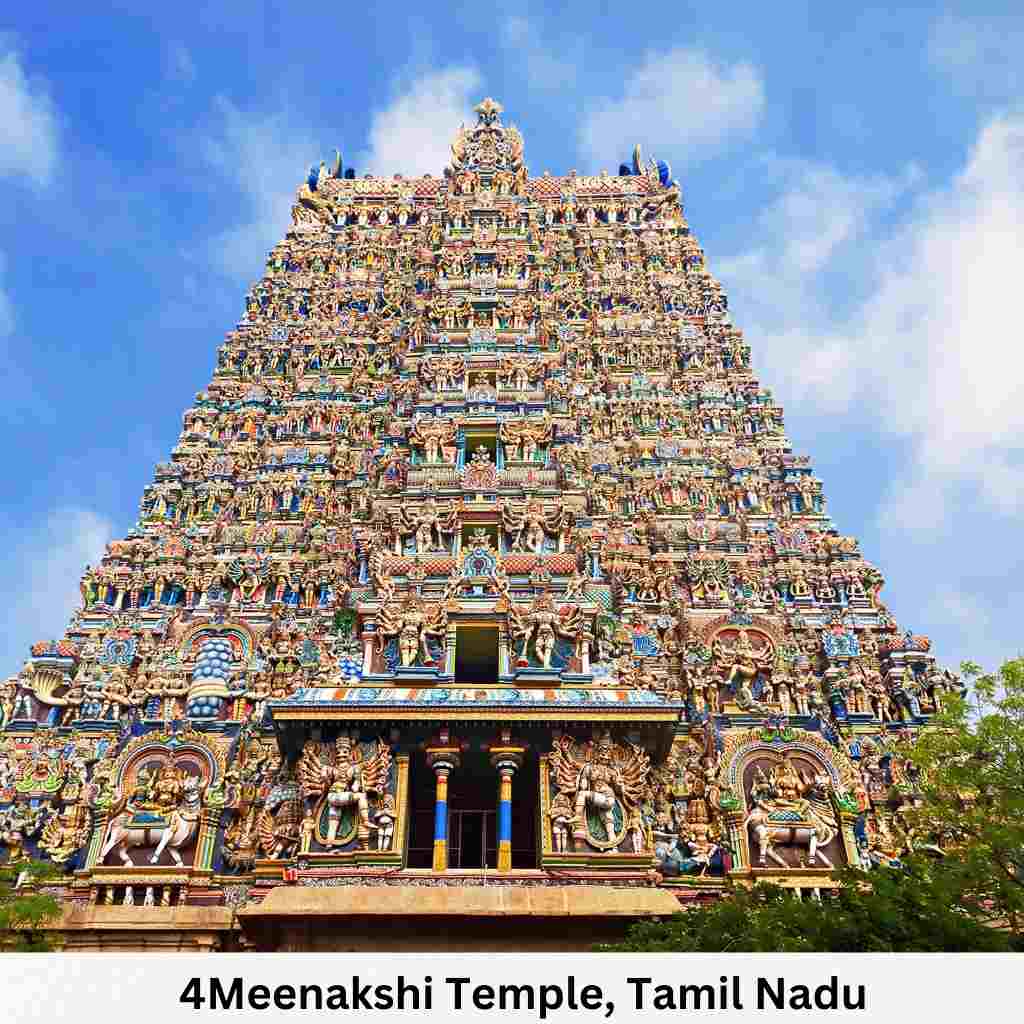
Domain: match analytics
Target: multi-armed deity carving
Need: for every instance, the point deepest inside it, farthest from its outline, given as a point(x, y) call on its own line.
point(598, 790)
point(279, 825)
point(745, 658)
point(537, 629)
point(348, 792)
point(428, 524)
point(246, 789)
point(436, 437)
point(521, 373)
point(529, 527)
point(444, 373)
point(522, 439)
point(411, 624)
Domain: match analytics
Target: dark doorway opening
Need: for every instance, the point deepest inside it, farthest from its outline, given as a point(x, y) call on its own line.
point(473, 796)
point(422, 797)
point(525, 813)
point(472, 842)
point(476, 655)
point(488, 441)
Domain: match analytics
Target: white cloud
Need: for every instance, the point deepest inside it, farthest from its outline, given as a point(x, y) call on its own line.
point(262, 158)
point(28, 125)
point(819, 221)
point(544, 66)
point(980, 55)
point(931, 351)
point(961, 610)
point(49, 561)
point(692, 105)
point(413, 134)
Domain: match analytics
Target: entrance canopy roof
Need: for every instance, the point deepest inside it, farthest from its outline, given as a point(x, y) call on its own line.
point(468, 703)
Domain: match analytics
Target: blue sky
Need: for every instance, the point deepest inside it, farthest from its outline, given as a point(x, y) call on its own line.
point(855, 174)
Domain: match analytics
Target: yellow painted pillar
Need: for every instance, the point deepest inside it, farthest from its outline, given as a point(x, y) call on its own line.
point(443, 760)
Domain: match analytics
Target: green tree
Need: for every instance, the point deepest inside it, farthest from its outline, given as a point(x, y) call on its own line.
point(24, 909)
point(969, 796)
point(886, 911)
point(960, 890)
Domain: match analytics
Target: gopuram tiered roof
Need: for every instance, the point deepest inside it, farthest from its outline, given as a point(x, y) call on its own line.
point(481, 583)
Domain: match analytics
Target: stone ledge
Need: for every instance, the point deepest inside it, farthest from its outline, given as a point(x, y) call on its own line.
point(467, 901)
point(146, 919)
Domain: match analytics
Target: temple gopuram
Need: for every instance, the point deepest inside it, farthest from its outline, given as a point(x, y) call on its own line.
point(482, 603)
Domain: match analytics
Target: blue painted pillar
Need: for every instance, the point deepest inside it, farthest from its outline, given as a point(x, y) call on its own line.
point(443, 760)
point(441, 819)
point(505, 759)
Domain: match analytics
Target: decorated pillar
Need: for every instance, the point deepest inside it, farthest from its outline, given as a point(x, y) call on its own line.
point(585, 655)
point(99, 833)
point(209, 823)
point(369, 636)
point(506, 762)
point(735, 830)
point(449, 650)
point(506, 759)
point(443, 759)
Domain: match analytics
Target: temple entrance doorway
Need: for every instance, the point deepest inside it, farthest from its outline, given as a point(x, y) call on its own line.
point(472, 842)
point(472, 814)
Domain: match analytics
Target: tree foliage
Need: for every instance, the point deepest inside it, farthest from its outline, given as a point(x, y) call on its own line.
point(24, 909)
point(961, 889)
point(970, 799)
point(887, 911)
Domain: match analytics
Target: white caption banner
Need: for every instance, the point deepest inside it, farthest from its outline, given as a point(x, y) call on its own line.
point(511, 988)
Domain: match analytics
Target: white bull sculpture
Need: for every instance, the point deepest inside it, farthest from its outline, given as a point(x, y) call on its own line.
point(182, 825)
point(809, 832)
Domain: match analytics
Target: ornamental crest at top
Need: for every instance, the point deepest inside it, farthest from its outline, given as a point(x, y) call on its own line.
point(488, 146)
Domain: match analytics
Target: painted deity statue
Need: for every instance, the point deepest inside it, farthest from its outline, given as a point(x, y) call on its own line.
point(605, 780)
point(163, 814)
point(433, 436)
point(742, 662)
point(429, 524)
point(413, 623)
point(344, 780)
point(790, 809)
point(529, 528)
point(541, 625)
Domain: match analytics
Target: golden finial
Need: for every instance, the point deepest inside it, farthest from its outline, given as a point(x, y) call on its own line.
point(488, 110)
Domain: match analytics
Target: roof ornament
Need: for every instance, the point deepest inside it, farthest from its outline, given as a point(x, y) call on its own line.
point(658, 172)
point(488, 111)
point(489, 146)
point(318, 175)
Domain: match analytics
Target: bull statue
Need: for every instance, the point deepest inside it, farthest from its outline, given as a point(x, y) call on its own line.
point(788, 810)
point(167, 816)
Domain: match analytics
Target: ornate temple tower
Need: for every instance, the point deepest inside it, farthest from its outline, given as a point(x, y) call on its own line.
point(482, 581)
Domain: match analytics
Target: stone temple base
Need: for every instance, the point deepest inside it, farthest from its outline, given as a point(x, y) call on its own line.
point(360, 918)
